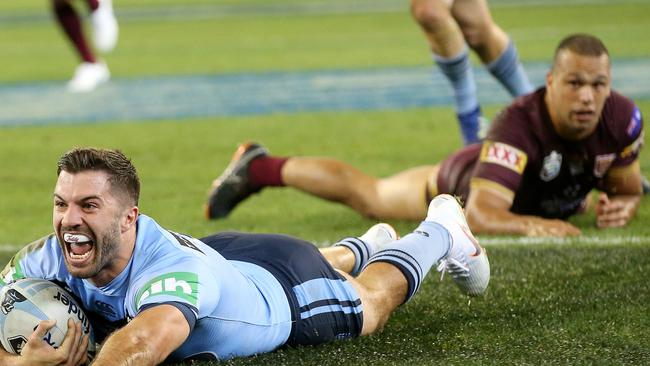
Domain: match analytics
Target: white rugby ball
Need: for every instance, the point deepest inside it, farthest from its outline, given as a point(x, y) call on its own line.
point(28, 301)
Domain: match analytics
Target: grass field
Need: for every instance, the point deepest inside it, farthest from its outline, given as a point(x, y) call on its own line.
point(577, 301)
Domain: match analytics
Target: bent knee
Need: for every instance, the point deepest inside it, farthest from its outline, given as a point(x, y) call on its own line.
point(430, 14)
point(477, 36)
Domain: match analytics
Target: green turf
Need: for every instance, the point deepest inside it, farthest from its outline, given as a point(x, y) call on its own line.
point(555, 304)
point(275, 42)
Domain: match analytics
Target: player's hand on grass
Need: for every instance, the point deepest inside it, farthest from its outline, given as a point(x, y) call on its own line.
point(72, 352)
point(615, 212)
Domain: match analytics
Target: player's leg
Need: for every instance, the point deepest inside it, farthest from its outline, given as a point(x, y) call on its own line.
point(105, 28)
point(401, 196)
point(394, 274)
point(91, 72)
point(351, 254)
point(452, 57)
point(71, 24)
point(493, 46)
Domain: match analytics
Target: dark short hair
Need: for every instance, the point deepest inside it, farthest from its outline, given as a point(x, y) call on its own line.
point(122, 174)
point(581, 44)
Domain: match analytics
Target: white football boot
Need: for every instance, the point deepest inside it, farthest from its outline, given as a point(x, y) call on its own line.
point(379, 235)
point(105, 29)
point(466, 261)
point(88, 76)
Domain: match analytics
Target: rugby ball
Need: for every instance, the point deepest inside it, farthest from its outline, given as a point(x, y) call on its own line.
point(28, 301)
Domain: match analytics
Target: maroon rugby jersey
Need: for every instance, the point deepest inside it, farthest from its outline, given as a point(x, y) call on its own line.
point(549, 175)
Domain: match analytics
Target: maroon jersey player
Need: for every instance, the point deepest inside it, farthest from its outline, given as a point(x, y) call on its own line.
point(542, 156)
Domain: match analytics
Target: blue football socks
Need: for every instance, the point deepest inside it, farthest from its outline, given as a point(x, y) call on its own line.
point(416, 253)
point(362, 252)
point(458, 71)
point(510, 72)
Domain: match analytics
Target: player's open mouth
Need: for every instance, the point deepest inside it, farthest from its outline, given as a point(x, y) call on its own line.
point(79, 247)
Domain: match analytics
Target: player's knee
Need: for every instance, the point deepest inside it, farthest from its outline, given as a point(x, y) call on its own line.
point(429, 14)
point(477, 36)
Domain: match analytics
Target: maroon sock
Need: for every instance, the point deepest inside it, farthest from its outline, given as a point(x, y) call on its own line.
point(71, 24)
point(93, 4)
point(267, 171)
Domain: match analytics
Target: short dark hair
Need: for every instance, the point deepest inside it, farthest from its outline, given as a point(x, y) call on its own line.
point(581, 44)
point(122, 174)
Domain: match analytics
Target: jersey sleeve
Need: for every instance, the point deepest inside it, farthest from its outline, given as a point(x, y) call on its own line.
point(504, 154)
point(40, 259)
point(195, 288)
point(628, 122)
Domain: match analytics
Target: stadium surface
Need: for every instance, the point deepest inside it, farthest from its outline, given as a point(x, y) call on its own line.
point(178, 97)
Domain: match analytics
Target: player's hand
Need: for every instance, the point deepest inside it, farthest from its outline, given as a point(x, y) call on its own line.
point(37, 352)
point(557, 228)
point(615, 212)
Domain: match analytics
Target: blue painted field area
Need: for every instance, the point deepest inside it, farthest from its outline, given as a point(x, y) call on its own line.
point(176, 97)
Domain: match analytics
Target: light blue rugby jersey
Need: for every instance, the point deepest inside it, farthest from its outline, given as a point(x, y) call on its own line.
point(241, 308)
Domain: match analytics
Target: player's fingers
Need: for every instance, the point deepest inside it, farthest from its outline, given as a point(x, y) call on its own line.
point(43, 327)
point(602, 198)
point(603, 202)
point(613, 220)
point(71, 339)
point(80, 357)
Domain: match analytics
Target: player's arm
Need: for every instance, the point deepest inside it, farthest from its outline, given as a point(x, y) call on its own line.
point(488, 212)
point(37, 352)
point(147, 339)
point(620, 201)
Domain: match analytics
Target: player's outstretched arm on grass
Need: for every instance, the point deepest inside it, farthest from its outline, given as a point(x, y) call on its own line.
point(147, 339)
point(488, 212)
point(618, 205)
point(37, 352)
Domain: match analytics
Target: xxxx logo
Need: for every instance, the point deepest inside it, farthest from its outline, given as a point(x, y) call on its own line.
point(184, 285)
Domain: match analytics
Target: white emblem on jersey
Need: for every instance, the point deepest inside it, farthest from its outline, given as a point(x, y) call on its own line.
point(551, 166)
point(602, 164)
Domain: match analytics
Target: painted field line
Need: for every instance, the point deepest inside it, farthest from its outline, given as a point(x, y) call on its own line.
point(583, 239)
point(202, 96)
point(517, 240)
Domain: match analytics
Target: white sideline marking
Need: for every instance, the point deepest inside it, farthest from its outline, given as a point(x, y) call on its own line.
point(523, 240)
point(584, 239)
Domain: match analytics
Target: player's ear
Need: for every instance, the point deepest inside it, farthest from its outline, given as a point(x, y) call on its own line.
point(549, 78)
point(130, 217)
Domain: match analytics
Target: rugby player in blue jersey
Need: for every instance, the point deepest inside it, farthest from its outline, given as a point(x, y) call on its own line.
point(540, 160)
point(155, 295)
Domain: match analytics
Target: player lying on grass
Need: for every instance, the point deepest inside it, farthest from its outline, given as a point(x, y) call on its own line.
point(541, 158)
point(186, 299)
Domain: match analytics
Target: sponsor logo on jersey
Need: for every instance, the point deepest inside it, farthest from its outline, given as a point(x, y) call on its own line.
point(106, 309)
point(11, 297)
point(602, 164)
point(505, 155)
point(634, 147)
point(184, 285)
point(551, 166)
point(634, 126)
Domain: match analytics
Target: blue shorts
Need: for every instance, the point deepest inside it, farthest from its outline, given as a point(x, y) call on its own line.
point(324, 306)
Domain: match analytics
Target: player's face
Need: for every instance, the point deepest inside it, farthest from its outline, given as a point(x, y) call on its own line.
point(576, 90)
point(89, 222)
